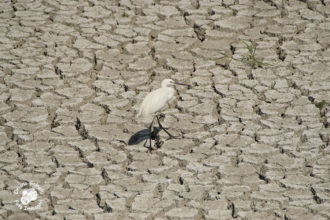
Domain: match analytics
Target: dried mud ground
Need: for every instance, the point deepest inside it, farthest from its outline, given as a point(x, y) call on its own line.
point(254, 124)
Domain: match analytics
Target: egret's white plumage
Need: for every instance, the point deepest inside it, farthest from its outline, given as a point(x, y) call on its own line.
point(157, 99)
point(154, 102)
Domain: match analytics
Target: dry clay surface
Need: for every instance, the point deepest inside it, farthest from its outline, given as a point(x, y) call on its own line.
point(255, 128)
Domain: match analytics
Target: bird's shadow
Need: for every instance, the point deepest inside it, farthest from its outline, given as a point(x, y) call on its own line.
point(142, 135)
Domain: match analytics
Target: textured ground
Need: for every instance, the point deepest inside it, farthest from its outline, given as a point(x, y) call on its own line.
point(255, 136)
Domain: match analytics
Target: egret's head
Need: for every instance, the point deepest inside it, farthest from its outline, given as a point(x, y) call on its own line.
point(167, 83)
point(171, 82)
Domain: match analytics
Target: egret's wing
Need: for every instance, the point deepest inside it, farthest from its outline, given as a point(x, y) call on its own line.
point(154, 101)
point(142, 110)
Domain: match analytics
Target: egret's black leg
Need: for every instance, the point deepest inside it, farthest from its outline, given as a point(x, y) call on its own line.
point(151, 131)
point(161, 127)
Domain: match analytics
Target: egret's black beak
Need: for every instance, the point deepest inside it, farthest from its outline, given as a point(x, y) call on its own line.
point(182, 84)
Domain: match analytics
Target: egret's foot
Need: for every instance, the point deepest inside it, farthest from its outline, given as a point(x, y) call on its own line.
point(158, 142)
point(150, 149)
point(150, 144)
point(169, 134)
point(173, 137)
point(153, 135)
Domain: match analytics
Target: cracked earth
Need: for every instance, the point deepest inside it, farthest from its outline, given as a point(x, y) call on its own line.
point(255, 129)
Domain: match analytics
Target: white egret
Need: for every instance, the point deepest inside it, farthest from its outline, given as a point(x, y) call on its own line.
point(156, 101)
